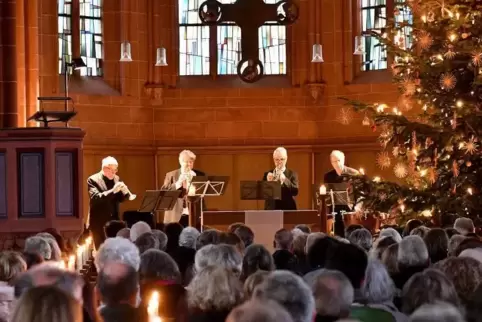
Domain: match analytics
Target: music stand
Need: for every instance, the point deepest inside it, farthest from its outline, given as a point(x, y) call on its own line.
point(338, 196)
point(159, 200)
point(260, 190)
point(205, 186)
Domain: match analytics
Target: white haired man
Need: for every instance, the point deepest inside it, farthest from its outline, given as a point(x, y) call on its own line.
point(339, 174)
point(288, 179)
point(106, 192)
point(180, 179)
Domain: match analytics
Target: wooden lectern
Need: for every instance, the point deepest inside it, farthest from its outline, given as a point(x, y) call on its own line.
point(40, 182)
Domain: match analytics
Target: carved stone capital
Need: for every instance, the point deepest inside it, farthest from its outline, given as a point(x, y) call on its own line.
point(316, 90)
point(155, 93)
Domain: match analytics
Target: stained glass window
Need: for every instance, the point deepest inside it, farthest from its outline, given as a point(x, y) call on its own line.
point(374, 18)
point(91, 36)
point(196, 43)
point(65, 32)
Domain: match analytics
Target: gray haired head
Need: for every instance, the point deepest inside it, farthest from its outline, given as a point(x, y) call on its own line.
point(361, 237)
point(464, 225)
point(38, 245)
point(138, 229)
point(256, 311)
point(378, 286)
point(118, 249)
point(189, 237)
point(333, 294)
point(161, 237)
point(437, 312)
point(454, 242)
point(312, 238)
point(221, 255)
point(56, 252)
point(291, 292)
point(390, 232)
point(412, 252)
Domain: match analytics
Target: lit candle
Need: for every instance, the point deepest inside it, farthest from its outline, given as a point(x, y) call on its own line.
point(87, 247)
point(322, 190)
point(80, 262)
point(153, 307)
point(362, 171)
point(71, 263)
point(469, 191)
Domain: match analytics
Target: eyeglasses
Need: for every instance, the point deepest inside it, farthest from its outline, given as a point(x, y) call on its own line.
point(112, 169)
point(278, 160)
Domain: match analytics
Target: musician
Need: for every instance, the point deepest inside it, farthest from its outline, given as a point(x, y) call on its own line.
point(339, 174)
point(288, 179)
point(106, 192)
point(180, 179)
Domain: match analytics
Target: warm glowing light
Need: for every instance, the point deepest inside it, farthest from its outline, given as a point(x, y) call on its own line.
point(381, 108)
point(427, 213)
point(457, 15)
point(377, 179)
point(453, 37)
point(362, 171)
point(459, 103)
point(424, 18)
point(153, 305)
point(71, 263)
point(402, 207)
point(415, 152)
point(469, 191)
point(423, 172)
point(322, 190)
point(440, 57)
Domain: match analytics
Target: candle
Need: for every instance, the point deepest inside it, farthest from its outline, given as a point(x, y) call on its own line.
point(80, 263)
point(322, 190)
point(71, 263)
point(362, 171)
point(153, 308)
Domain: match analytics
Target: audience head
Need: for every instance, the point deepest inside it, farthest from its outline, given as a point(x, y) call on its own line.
point(146, 241)
point(283, 239)
point(468, 243)
point(39, 245)
point(158, 265)
point(412, 252)
point(245, 234)
point(380, 245)
point(173, 230)
point(47, 304)
point(475, 253)
point(118, 283)
point(351, 261)
point(256, 257)
point(11, 265)
point(304, 228)
point(118, 249)
point(49, 274)
point(255, 311)
point(124, 233)
point(232, 228)
point(437, 312)
point(215, 289)
point(299, 244)
point(333, 294)
point(464, 272)
point(221, 255)
point(411, 225)
point(208, 237)
point(161, 237)
point(420, 231)
point(32, 259)
point(437, 243)
point(138, 229)
point(390, 259)
point(56, 254)
point(454, 243)
point(464, 225)
point(428, 287)
point(352, 228)
point(112, 227)
point(311, 239)
point(378, 287)
point(253, 281)
point(451, 232)
point(188, 237)
point(390, 232)
point(232, 239)
point(291, 292)
point(58, 238)
point(362, 238)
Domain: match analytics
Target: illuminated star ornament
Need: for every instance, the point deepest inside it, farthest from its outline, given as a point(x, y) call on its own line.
point(450, 54)
point(425, 40)
point(345, 116)
point(383, 160)
point(477, 58)
point(400, 170)
point(448, 81)
point(470, 146)
point(409, 86)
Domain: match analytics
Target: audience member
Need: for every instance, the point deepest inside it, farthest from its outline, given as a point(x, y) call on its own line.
point(188, 237)
point(464, 226)
point(255, 311)
point(437, 312)
point(362, 238)
point(245, 234)
point(390, 232)
point(256, 257)
point(146, 241)
point(208, 237)
point(253, 281)
point(124, 233)
point(304, 228)
point(222, 255)
point(380, 245)
point(161, 237)
point(112, 228)
point(118, 249)
point(454, 243)
point(437, 243)
point(138, 229)
point(38, 245)
point(56, 254)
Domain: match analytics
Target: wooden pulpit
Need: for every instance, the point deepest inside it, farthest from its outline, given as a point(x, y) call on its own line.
point(264, 223)
point(40, 182)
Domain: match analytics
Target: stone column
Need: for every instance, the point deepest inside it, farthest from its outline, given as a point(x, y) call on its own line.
point(8, 63)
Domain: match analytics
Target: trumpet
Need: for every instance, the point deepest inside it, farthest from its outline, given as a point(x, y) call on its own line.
point(277, 174)
point(126, 192)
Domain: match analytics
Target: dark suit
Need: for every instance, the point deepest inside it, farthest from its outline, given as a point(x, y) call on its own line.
point(170, 184)
point(333, 177)
point(102, 208)
point(289, 189)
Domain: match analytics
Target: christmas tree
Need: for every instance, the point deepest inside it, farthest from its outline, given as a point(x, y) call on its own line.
point(435, 148)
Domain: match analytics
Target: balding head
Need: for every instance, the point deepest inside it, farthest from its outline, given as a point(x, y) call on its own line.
point(256, 311)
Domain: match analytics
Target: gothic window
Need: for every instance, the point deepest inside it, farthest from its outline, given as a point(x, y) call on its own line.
point(374, 16)
point(201, 47)
point(88, 44)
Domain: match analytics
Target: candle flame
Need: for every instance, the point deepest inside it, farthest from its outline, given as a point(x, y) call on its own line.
point(153, 305)
point(322, 189)
point(362, 171)
point(469, 191)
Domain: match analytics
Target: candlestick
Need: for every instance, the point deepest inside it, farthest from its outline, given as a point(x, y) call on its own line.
point(322, 190)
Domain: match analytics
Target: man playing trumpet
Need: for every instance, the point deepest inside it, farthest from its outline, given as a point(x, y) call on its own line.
point(106, 192)
point(288, 179)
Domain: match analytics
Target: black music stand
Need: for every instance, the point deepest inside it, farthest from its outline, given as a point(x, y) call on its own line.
point(159, 200)
point(204, 186)
point(260, 190)
point(341, 201)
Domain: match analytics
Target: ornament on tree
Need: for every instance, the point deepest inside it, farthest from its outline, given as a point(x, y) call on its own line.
point(382, 196)
point(432, 175)
point(453, 121)
point(428, 142)
point(366, 121)
point(470, 146)
point(345, 116)
point(477, 58)
point(383, 160)
point(455, 169)
point(431, 16)
point(465, 35)
point(408, 86)
point(405, 103)
point(400, 170)
point(425, 41)
point(468, 163)
point(450, 54)
point(395, 69)
point(448, 81)
point(396, 151)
